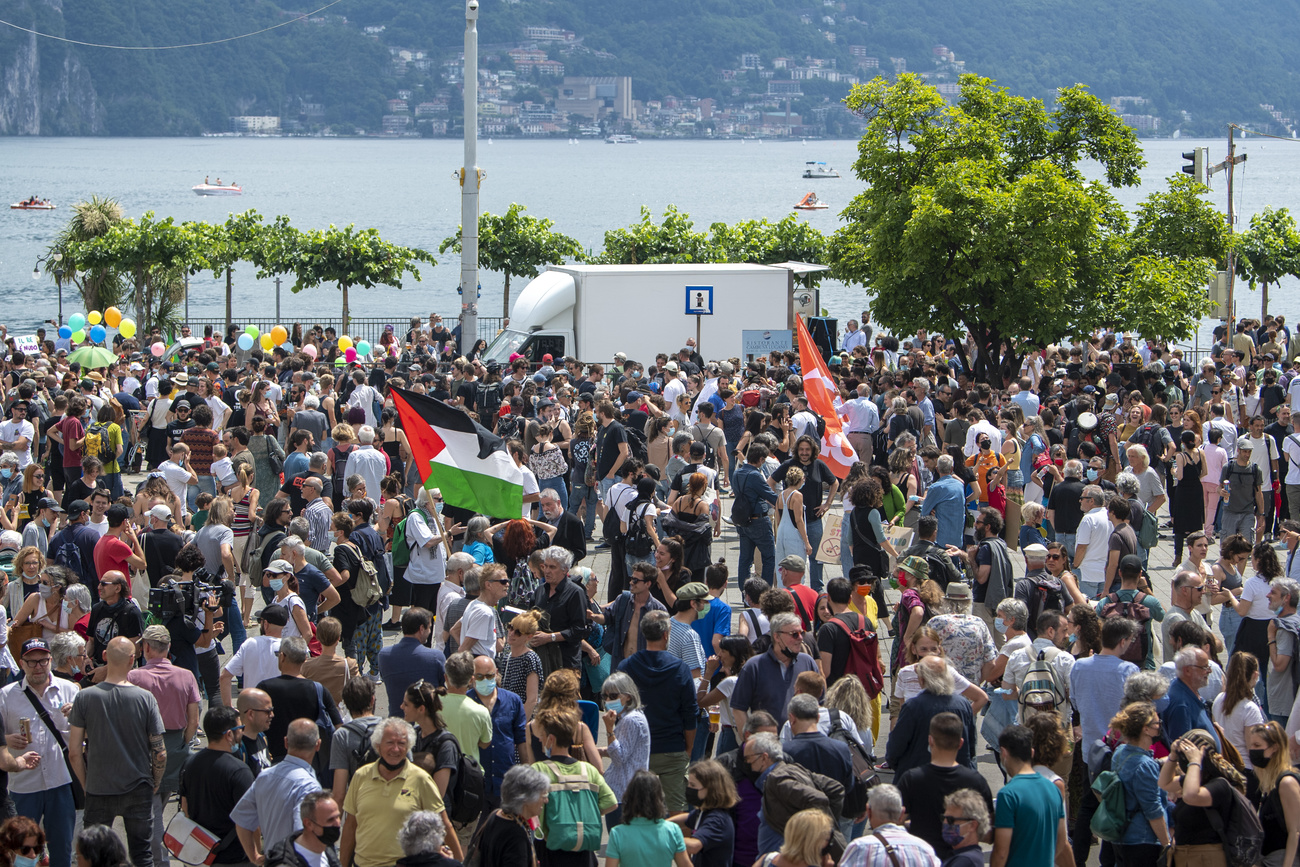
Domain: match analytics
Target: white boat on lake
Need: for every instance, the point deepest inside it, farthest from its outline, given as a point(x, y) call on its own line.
point(217, 189)
point(814, 169)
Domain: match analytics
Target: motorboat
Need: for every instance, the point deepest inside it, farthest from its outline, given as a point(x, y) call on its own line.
point(32, 204)
point(217, 189)
point(813, 169)
point(619, 138)
point(810, 202)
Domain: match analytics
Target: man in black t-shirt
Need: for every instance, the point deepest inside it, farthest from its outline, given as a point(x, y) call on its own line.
point(611, 446)
point(1065, 506)
point(161, 544)
point(214, 779)
point(182, 423)
point(832, 639)
point(292, 487)
point(924, 788)
point(293, 696)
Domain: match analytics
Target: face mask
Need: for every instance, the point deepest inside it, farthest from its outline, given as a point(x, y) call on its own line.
point(693, 797)
point(388, 767)
point(985, 446)
point(1258, 759)
point(45, 590)
point(329, 835)
point(999, 624)
point(789, 654)
point(6, 473)
point(701, 613)
point(952, 834)
point(276, 584)
point(67, 606)
point(45, 523)
point(614, 705)
point(1278, 610)
point(24, 861)
point(485, 687)
point(1092, 474)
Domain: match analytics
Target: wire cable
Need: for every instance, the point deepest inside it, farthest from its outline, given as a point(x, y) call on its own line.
point(168, 47)
point(1266, 135)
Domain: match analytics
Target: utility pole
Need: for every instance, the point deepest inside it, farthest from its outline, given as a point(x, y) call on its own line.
point(277, 299)
point(470, 178)
point(1229, 165)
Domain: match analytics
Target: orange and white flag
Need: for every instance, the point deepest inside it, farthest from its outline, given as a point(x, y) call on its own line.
point(823, 398)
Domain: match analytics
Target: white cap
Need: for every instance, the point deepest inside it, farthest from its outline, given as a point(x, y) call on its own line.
point(160, 513)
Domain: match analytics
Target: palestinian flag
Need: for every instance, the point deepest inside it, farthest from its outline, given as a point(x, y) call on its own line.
point(464, 460)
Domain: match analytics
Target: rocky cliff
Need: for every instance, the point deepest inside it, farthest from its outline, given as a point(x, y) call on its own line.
point(44, 87)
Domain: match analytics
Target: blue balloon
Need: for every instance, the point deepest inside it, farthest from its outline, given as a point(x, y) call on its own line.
point(65, 332)
point(245, 342)
point(287, 347)
point(97, 333)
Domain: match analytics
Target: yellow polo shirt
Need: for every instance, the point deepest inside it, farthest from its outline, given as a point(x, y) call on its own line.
point(382, 806)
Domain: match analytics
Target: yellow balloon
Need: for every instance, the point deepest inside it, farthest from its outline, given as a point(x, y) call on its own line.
point(267, 343)
point(112, 317)
point(279, 335)
point(345, 343)
point(126, 327)
point(94, 318)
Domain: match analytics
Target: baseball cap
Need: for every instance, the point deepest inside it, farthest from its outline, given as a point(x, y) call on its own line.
point(672, 365)
point(35, 644)
point(213, 366)
point(1130, 563)
point(180, 405)
point(275, 614)
point(158, 633)
point(547, 358)
point(160, 512)
point(48, 503)
point(280, 567)
point(76, 507)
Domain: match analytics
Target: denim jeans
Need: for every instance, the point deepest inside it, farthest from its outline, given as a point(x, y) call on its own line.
point(54, 809)
point(114, 484)
point(726, 739)
point(1067, 539)
point(1229, 623)
point(814, 527)
point(701, 747)
point(604, 485)
point(584, 494)
point(557, 484)
point(136, 809)
point(757, 535)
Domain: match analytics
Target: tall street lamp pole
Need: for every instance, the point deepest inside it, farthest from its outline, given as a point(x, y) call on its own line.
point(470, 178)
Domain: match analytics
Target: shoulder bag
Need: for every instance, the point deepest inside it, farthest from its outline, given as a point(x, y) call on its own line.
point(78, 792)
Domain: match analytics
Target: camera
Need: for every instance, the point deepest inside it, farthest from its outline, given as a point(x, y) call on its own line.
point(174, 598)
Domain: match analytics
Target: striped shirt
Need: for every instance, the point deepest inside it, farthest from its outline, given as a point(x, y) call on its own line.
point(868, 851)
point(318, 517)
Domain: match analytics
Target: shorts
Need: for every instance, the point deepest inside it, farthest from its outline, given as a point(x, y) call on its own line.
point(400, 595)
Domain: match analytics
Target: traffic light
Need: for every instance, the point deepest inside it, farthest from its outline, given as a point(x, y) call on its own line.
point(1197, 167)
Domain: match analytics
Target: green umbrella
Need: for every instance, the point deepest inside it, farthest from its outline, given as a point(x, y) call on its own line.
point(92, 357)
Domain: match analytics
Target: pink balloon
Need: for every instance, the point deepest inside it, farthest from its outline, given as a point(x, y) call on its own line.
point(309, 350)
point(158, 349)
point(350, 355)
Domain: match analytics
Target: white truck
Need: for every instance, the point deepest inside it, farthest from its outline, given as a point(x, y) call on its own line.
point(591, 312)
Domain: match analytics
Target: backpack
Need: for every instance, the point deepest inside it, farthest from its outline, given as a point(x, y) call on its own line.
point(942, 570)
point(636, 444)
point(573, 822)
point(710, 454)
point(487, 401)
point(401, 548)
point(325, 726)
point(364, 753)
point(1146, 528)
point(523, 587)
point(1112, 817)
point(864, 655)
point(466, 793)
point(1243, 837)
point(271, 540)
point(1148, 436)
point(865, 777)
point(1046, 594)
point(1136, 611)
point(367, 590)
point(637, 541)
point(1042, 686)
point(97, 443)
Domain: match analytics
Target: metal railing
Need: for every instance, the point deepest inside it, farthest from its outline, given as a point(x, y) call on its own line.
point(368, 328)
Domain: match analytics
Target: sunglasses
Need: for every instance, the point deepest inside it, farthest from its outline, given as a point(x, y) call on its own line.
point(955, 820)
point(1053, 556)
point(31, 851)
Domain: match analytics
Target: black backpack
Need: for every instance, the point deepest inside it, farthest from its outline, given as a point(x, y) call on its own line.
point(1046, 594)
point(487, 401)
point(1148, 436)
point(364, 753)
point(710, 453)
point(637, 541)
point(636, 444)
point(466, 793)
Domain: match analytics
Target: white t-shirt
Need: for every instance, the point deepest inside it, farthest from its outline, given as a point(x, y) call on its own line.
point(448, 593)
point(12, 430)
point(1291, 455)
point(255, 660)
point(1236, 724)
point(907, 686)
point(1263, 453)
point(480, 623)
point(428, 565)
point(530, 487)
point(1255, 591)
point(101, 528)
point(673, 389)
point(177, 478)
point(292, 601)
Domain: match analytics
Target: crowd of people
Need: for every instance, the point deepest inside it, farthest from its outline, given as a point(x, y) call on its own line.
point(217, 561)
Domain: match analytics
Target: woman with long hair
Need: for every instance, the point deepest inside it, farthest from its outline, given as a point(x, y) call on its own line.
point(791, 533)
point(1230, 577)
point(561, 692)
point(1279, 789)
point(1202, 780)
point(720, 673)
point(901, 464)
point(711, 792)
point(1138, 725)
point(1215, 458)
point(869, 541)
point(519, 665)
point(892, 501)
point(1187, 505)
point(692, 520)
point(345, 441)
point(394, 443)
point(848, 697)
point(261, 406)
point(262, 444)
point(34, 491)
point(627, 736)
point(244, 497)
point(1235, 709)
point(49, 607)
point(659, 441)
point(857, 473)
point(582, 453)
point(645, 836)
point(435, 752)
point(1256, 611)
point(1051, 750)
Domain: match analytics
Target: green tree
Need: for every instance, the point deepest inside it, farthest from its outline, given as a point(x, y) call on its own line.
point(760, 242)
point(100, 288)
point(674, 241)
point(1268, 251)
point(347, 257)
point(222, 245)
point(516, 245)
point(977, 218)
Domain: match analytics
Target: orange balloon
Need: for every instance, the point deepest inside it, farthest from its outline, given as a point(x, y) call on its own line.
point(279, 335)
point(112, 317)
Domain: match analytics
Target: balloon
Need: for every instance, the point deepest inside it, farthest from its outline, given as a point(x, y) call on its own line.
point(94, 318)
point(112, 317)
point(345, 343)
point(76, 321)
point(363, 348)
point(97, 333)
point(158, 349)
point(266, 343)
point(79, 336)
point(287, 347)
point(280, 334)
point(65, 332)
point(252, 331)
point(309, 351)
point(245, 342)
point(126, 327)
point(339, 362)
point(350, 354)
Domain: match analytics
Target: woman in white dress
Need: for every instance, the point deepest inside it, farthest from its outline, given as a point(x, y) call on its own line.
point(791, 532)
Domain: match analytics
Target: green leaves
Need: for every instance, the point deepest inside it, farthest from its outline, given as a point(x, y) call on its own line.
point(347, 257)
point(1270, 249)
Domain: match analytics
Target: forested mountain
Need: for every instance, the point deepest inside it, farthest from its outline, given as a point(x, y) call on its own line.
point(1197, 63)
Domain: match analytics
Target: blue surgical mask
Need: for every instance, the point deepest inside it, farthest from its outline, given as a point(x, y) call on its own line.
point(45, 523)
point(999, 624)
point(276, 584)
point(1278, 610)
point(24, 861)
point(485, 687)
point(437, 507)
point(1093, 474)
point(615, 705)
point(6, 473)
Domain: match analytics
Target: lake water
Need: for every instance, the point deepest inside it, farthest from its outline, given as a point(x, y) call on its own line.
point(405, 189)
